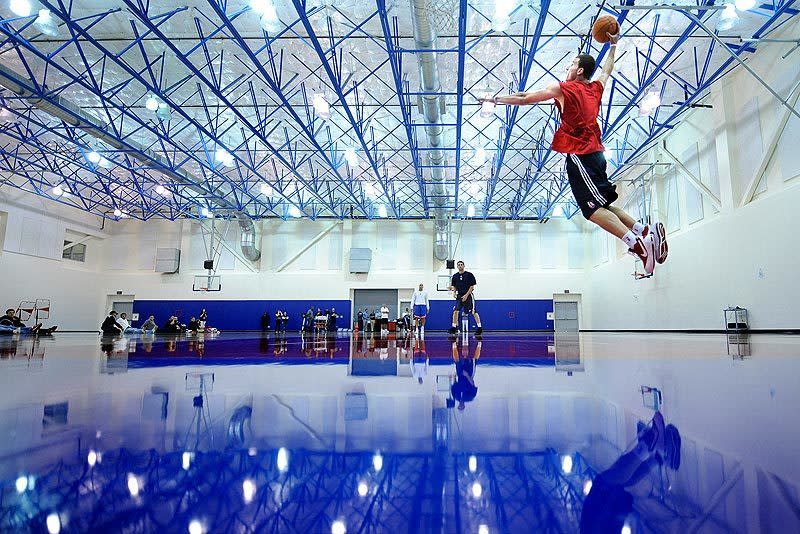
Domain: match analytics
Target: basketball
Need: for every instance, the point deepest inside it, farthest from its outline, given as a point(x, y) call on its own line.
point(603, 26)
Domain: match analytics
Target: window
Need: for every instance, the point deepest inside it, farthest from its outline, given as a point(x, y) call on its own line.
point(74, 252)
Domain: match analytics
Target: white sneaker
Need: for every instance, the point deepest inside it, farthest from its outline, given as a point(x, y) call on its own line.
point(659, 235)
point(643, 249)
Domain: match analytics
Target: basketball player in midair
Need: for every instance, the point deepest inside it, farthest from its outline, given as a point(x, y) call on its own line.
point(578, 137)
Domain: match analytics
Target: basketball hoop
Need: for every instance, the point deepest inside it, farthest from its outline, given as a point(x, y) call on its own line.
point(207, 282)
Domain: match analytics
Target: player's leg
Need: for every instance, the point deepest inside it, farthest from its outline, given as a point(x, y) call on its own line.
point(594, 195)
point(456, 309)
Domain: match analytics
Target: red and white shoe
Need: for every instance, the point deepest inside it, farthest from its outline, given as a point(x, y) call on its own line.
point(659, 242)
point(643, 249)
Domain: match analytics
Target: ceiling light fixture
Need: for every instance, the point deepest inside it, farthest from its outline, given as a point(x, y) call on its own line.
point(46, 24)
point(351, 157)
point(321, 106)
point(266, 190)
point(151, 103)
point(57, 191)
point(480, 156)
point(382, 210)
point(745, 5)
point(471, 213)
point(224, 157)
point(488, 106)
point(728, 18)
point(649, 102)
point(21, 8)
point(94, 157)
point(268, 15)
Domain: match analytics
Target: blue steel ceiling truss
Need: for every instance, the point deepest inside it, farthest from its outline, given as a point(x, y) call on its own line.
point(236, 126)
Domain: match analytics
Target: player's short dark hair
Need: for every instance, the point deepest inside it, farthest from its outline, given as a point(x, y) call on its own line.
point(588, 64)
point(460, 261)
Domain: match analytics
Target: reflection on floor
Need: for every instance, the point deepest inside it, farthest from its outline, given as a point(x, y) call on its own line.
point(508, 433)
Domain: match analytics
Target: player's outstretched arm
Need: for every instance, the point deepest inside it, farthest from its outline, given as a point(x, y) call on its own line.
point(608, 66)
point(526, 99)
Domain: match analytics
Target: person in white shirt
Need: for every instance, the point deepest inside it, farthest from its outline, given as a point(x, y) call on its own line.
point(421, 307)
point(122, 320)
point(419, 370)
point(384, 318)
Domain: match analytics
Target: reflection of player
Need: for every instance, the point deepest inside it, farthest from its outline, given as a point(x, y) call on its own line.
point(463, 283)
point(419, 360)
point(464, 389)
point(609, 502)
point(421, 307)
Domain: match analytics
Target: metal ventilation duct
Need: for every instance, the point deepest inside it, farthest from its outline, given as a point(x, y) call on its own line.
point(432, 105)
point(64, 110)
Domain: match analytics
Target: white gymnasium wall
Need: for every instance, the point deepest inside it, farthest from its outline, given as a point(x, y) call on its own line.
point(32, 233)
point(740, 254)
point(519, 260)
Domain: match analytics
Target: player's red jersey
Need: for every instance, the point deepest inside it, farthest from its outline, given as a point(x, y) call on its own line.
point(579, 132)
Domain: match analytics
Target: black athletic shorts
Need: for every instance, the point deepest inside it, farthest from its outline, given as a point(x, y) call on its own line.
point(468, 306)
point(589, 182)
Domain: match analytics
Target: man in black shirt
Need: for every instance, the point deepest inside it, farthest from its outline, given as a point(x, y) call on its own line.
point(463, 283)
point(110, 326)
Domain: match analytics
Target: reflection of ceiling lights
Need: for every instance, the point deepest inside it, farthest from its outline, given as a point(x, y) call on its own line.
point(377, 462)
point(338, 527)
point(728, 18)
point(46, 24)
point(21, 8)
point(321, 106)
point(566, 464)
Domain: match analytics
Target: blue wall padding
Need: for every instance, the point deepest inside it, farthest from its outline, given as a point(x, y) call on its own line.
point(237, 314)
point(508, 315)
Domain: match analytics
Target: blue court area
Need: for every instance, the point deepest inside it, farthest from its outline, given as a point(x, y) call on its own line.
point(508, 433)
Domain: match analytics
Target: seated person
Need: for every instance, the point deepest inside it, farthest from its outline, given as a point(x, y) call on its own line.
point(149, 326)
point(122, 320)
point(194, 325)
point(10, 323)
point(110, 326)
point(172, 326)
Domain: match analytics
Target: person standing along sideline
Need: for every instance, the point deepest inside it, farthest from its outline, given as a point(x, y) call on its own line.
point(463, 283)
point(421, 306)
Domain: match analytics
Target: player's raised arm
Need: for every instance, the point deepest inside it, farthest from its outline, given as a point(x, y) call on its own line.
point(608, 66)
point(552, 92)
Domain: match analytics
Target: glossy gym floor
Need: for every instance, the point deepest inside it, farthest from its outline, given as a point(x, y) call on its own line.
point(508, 433)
